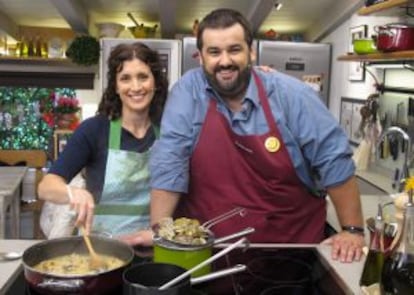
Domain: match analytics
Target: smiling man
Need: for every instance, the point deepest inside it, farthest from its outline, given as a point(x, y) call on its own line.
point(234, 137)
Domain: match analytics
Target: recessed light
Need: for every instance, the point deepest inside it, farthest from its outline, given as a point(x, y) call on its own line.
point(278, 5)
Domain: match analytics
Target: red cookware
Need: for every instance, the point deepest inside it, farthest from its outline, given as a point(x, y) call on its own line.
point(101, 282)
point(395, 37)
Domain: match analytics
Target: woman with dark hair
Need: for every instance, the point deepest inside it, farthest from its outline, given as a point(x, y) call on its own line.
point(112, 148)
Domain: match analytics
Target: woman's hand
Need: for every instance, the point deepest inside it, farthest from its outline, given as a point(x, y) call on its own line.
point(82, 202)
point(346, 247)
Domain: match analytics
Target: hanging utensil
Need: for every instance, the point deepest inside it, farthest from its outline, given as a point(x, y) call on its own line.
point(204, 263)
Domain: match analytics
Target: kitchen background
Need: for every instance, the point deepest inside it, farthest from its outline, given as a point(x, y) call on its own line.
point(56, 23)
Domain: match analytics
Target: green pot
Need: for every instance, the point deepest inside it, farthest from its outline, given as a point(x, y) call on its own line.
point(188, 256)
point(364, 46)
point(184, 256)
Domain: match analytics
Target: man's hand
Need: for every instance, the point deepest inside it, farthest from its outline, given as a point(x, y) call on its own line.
point(346, 247)
point(138, 238)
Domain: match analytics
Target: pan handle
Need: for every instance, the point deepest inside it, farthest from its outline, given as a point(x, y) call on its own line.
point(218, 274)
point(61, 285)
point(246, 231)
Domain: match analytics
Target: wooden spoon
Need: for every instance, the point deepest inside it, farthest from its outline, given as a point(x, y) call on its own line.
point(95, 262)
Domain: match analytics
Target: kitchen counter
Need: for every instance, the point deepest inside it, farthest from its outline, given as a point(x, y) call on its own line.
point(9, 270)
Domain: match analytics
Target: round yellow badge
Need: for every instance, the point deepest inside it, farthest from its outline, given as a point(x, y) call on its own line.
point(272, 144)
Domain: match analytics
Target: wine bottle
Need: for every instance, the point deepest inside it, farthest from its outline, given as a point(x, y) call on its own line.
point(398, 270)
point(372, 270)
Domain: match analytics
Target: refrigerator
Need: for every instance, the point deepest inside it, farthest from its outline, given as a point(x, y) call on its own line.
point(190, 53)
point(309, 62)
point(170, 53)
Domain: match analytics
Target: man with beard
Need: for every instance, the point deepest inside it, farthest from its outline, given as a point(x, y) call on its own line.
point(234, 137)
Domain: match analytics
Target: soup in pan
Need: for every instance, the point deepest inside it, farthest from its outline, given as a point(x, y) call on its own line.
point(76, 264)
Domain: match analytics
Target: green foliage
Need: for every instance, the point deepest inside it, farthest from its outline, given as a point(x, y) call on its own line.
point(84, 50)
point(22, 121)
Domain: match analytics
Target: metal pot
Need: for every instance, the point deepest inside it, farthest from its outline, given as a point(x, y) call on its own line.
point(102, 282)
point(395, 37)
point(187, 256)
point(146, 278)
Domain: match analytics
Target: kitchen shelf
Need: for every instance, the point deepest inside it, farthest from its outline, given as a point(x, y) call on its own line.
point(397, 56)
point(375, 8)
point(45, 72)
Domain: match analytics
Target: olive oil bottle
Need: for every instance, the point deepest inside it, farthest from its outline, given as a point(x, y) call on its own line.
point(398, 271)
point(372, 270)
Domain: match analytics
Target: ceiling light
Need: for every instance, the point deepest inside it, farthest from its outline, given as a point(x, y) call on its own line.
point(278, 5)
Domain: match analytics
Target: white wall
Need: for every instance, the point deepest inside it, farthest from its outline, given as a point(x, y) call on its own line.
point(340, 40)
point(89, 99)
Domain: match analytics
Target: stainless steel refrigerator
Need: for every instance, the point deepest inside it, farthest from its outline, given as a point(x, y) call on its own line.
point(190, 53)
point(170, 52)
point(309, 62)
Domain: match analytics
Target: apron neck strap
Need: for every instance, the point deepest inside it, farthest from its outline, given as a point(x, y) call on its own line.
point(156, 131)
point(115, 134)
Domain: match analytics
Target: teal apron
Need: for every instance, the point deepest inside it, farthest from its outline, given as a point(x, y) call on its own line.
point(124, 204)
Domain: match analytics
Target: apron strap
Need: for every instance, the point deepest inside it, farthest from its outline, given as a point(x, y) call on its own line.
point(156, 131)
point(115, 135)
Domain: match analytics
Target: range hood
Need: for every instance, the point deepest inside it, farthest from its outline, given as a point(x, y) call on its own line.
point(45, 72)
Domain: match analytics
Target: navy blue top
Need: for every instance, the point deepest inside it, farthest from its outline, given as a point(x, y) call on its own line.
point(88, 148)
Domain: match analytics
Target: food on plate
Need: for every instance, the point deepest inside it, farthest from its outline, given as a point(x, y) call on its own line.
point(183, 230)
point(76, 264)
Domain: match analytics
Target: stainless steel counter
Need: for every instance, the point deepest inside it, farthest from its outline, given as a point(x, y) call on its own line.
point(9, 270)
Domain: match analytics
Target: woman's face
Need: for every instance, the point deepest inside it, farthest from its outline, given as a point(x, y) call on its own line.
point(135, 85)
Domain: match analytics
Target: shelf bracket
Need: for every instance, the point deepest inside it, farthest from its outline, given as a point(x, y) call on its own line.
point(408, 12)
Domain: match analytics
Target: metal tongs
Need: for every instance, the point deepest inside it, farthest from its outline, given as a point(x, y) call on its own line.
point(212, 222)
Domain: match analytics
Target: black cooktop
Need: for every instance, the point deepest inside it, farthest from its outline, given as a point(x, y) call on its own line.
point(270, 271)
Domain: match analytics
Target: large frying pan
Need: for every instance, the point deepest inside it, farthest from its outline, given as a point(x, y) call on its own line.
point(102, 282)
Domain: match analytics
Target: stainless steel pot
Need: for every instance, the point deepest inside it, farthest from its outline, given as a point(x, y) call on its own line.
point(146, 278)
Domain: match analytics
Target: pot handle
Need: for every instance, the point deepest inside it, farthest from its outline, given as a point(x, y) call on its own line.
point(218, 274)
point(62, 285)
point(246, 231)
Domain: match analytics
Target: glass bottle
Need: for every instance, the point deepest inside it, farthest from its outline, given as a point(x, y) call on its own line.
point(38, 46)
point(372, 270)
point(24, 49)
point(398, 271)
point(31, 47)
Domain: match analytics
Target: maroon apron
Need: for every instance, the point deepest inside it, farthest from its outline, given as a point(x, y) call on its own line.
point(228, 170)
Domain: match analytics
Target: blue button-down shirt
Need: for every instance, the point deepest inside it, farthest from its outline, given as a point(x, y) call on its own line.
point(316, 143)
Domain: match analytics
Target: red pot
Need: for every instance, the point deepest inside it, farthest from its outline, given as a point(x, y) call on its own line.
point(395, 37)
point(103, 282)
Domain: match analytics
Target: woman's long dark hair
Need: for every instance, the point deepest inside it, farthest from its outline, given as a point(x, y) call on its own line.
point(111, 105)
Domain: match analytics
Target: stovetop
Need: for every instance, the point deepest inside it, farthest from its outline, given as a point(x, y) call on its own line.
point(277, 271)
point(271, 271)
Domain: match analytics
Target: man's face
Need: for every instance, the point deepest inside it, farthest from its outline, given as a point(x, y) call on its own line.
point(226, 59)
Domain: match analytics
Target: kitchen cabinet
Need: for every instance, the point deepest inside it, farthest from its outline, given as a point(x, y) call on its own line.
point(45, 72)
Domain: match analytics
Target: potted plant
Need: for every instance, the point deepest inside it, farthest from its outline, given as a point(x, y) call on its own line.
point(84, 50)
point(65, 112)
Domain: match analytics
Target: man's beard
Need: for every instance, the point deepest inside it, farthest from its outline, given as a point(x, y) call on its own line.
point(231, 89)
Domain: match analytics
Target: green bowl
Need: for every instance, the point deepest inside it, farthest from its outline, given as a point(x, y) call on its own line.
point(364, 46)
